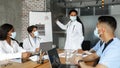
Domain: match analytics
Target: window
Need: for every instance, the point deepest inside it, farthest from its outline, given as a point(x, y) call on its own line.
point(85, 11)
point(101, 11)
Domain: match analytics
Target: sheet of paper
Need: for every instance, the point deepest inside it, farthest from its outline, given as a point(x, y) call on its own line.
point(62, 55)
point(34, 58)
point(4, 62)
point(83, 55)
point(18, 60)
point(45, 57)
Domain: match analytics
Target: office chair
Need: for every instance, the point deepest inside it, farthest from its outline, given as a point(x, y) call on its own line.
point(86, 45)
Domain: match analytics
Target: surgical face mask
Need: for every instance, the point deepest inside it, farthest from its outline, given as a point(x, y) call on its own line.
point(73, 18)
point(96, 33)
point(13, 35)
point(36, 34)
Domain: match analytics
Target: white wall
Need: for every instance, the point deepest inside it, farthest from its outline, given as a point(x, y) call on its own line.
point(118, 25)
point(42, 18)
point(89, 26)
point(114, 9)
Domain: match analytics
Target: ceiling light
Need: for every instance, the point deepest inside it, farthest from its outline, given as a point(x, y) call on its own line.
point(99, 7)
point(112, 6)
point(103, 3)
point(88, 7)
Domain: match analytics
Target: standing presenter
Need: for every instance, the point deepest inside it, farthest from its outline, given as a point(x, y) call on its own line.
point(74, 31)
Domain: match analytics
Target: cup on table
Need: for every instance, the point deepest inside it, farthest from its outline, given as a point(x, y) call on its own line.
point(69, 53)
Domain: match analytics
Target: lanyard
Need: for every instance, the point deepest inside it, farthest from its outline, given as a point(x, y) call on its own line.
point(101, 43)
point(106, 44)
point(69, 25)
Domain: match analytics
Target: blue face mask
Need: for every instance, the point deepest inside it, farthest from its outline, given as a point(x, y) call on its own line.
point(96, 32)
point(13, 35)
point(36, 34)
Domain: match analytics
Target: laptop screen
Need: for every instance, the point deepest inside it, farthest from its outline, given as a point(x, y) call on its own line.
point(45, 46)
point(53, 58)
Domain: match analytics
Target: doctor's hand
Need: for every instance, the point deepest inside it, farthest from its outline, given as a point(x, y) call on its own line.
point(57, 21)
point(37, 49)
point(86, 53)
point(77, 58)
point(26, 55)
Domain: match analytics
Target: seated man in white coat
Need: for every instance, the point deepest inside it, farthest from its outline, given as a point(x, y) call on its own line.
point(10, 49)
point(32, 43)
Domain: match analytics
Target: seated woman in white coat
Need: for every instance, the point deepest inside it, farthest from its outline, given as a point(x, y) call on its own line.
point(10, 49)
point(32, 43)
point(74, 31)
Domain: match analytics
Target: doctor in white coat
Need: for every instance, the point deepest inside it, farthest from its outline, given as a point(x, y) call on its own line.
point(10, 49)
point(32, 43)
point(74, 31)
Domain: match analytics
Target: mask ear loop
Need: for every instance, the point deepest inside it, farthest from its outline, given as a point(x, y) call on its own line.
point(99, 34)
point(33, 34)
point(103, 30)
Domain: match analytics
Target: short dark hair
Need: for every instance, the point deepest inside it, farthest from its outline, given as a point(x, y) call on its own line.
point(73, 10)
point(30, 28)
point(109, 20)
point(4, 29)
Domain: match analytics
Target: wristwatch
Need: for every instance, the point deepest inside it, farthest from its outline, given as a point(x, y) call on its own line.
point(80, 61)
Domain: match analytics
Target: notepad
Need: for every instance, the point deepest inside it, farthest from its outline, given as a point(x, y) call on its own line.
point(34, 58)
point(18, 60)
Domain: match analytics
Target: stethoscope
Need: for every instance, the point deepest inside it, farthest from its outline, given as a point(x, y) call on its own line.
point(69, 25)
point(30, 40)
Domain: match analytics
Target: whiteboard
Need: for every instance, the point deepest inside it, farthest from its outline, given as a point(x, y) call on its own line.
point(44, 23)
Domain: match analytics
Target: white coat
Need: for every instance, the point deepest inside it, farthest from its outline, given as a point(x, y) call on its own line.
point(74, 34)
point(30, 45)
point(10, 51)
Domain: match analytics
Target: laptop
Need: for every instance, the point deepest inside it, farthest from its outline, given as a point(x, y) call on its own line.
point(45, 46)
point(55, 60)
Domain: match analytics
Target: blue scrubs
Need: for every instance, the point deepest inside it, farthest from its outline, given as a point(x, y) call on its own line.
point(110, 57)
point(97, 46)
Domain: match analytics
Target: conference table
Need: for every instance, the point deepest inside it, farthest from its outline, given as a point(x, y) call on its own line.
point(33, 64)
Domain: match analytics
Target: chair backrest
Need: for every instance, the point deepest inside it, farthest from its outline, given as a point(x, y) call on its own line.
point(86, 45)
point(21, 44)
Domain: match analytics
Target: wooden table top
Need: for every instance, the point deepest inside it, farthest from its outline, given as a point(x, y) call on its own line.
point(32, 64)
